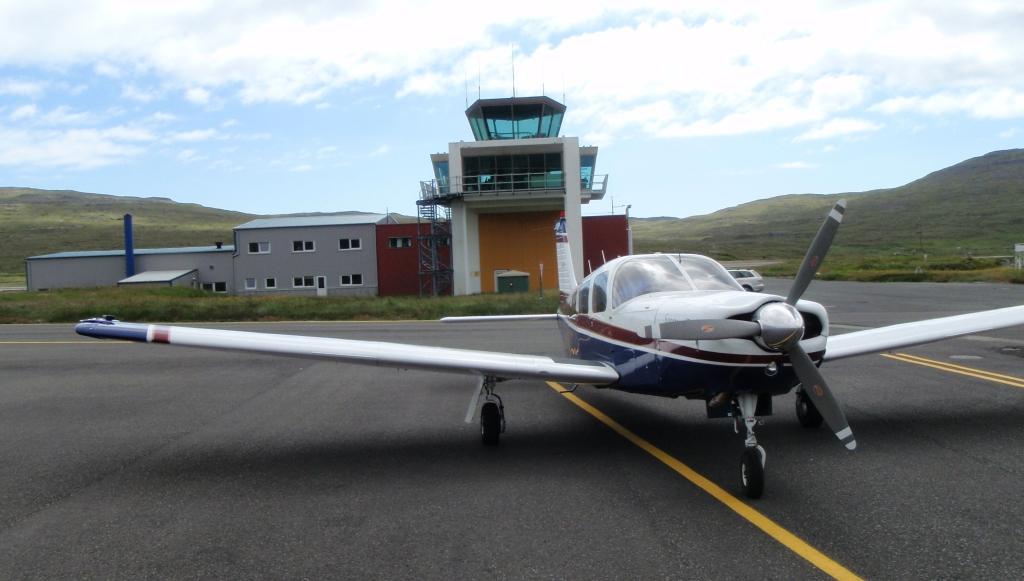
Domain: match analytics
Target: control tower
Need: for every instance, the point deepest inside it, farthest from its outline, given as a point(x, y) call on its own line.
point(503, 193)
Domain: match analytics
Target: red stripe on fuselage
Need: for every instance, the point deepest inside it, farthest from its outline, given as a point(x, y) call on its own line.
point(603, 329)
point(161, 335)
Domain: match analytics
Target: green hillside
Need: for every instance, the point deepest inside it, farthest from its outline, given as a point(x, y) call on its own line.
point(36, 222)
point(976, 206)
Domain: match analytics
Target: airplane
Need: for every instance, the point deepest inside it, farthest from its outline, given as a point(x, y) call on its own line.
point(669, 325)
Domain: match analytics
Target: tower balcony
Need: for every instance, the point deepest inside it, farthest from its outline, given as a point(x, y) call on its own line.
point(509, 186)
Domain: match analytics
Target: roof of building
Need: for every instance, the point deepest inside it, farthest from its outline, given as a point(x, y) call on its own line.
point(156, 276)
point(345, 219)
point(138, 251)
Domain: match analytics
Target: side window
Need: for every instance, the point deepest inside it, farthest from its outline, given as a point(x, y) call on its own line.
point(585, 298)
point(601, 292)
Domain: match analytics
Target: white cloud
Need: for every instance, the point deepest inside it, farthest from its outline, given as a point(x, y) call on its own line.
point(797, 165)
point(1009, 133)
point(302, 167)
point(666, 69)
point(379, 150)
point(198, 95)
point(79, 149)
point(134, 93)
point(23, 112)
point(105, 69)
point(189, 156)
point(21, 88)
point(839, 127)
point(989, 103)
point(194, 135)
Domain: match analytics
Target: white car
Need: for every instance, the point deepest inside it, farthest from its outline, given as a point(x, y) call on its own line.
point(750, 280)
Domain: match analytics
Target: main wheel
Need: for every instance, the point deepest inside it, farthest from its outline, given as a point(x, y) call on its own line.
point(748, 288)
point(752, 472)
point(490, 423)
point(806, 412)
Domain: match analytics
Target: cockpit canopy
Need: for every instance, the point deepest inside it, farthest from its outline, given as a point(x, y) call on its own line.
point(641, 275)
point(655, 274)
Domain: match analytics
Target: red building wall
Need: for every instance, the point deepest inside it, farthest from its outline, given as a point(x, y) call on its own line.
point(604, 233)
point(398, 268)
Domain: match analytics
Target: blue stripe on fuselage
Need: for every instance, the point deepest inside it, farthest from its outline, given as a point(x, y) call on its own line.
point(123, 331)
point(644, 371)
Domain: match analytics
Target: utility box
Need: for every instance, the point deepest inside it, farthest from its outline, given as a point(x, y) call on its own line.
point(512, 281)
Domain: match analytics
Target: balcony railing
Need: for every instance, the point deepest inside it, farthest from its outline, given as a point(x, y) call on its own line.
point(508, 184)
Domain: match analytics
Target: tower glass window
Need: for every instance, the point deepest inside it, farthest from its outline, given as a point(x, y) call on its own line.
point(522, 118)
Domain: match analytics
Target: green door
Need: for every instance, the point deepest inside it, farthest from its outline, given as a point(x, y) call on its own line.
point(519, 283)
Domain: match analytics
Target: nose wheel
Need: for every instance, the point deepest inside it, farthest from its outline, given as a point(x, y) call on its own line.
point(753, 459)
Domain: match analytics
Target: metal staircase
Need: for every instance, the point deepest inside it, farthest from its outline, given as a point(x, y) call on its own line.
point(434, 242)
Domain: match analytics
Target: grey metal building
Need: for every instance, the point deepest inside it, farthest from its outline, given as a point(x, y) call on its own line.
point(213, 266)
point(312, 255)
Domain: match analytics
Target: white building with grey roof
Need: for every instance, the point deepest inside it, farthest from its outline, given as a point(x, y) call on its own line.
point(312, 255)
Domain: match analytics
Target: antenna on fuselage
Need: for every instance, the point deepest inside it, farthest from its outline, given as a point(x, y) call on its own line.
point(603, 259)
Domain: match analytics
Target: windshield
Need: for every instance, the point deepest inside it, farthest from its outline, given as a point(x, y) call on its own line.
point(655, 274)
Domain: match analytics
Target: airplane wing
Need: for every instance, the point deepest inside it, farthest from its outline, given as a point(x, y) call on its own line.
point(397, 355)
point(907, 334)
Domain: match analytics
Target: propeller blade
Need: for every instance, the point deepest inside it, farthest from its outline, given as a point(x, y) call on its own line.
point(708, 329)
point(816, 388)
point(816, 253)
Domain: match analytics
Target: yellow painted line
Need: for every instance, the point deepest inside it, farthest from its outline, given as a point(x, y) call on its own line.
point(958, 369)
point(770, 527)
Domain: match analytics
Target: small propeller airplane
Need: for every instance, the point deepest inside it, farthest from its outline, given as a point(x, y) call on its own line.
point(669, 325)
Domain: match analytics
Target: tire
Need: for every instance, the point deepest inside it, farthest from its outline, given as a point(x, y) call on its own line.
point(490, 424)
point(747, 288)
point(806, 412)
point(752, 472)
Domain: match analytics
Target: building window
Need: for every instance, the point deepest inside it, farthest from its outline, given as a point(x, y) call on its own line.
point(303, 282)
point(220, 287)
point(351, 280)
point(208, 286)
point(259, 248)
point(350, 244)
point(250, 283)
point(303, 246)
point(401, 242)
point(270, 283)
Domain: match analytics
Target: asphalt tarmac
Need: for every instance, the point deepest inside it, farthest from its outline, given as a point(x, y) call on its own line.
point(123, 460)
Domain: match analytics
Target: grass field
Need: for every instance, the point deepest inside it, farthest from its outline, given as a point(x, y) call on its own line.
point(182, 305)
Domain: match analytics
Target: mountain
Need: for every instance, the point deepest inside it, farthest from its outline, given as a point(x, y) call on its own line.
point(975, 206)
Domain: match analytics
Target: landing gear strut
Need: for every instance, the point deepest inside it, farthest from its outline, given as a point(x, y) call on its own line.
point(753, 458)
point(492, 414)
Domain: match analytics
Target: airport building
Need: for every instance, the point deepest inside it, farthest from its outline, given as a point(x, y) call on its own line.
point(497, 198)
point(485, 224)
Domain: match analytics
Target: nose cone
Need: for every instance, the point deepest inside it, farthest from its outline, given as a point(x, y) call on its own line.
point(781, 325)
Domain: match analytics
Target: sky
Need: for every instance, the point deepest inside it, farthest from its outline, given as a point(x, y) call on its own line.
point(321, 106)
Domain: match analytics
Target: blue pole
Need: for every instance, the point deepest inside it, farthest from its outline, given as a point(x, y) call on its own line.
point(129, 247)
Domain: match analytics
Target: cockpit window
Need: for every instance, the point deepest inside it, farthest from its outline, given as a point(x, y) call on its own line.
point(707, 274)
point(686, 273)
point(584, 306)
point(600, 292)
point(643, 276)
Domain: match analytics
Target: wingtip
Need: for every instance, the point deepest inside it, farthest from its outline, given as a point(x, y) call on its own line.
point(851, 445)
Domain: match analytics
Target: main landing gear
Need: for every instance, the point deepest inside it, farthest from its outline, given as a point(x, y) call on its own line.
point(492, 414)
point(808, 415)
point(753, 458)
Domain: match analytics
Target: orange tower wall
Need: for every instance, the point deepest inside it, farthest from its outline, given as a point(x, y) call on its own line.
point(518, 241)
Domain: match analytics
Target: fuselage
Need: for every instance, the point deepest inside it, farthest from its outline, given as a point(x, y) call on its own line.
point(614, 317)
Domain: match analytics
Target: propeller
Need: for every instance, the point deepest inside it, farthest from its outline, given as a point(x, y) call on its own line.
point(779, 327)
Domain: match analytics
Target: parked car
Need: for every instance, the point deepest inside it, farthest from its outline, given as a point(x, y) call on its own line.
point(750, 280)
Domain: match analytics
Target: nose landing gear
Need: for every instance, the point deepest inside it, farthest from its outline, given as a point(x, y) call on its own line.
point(753, 458)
